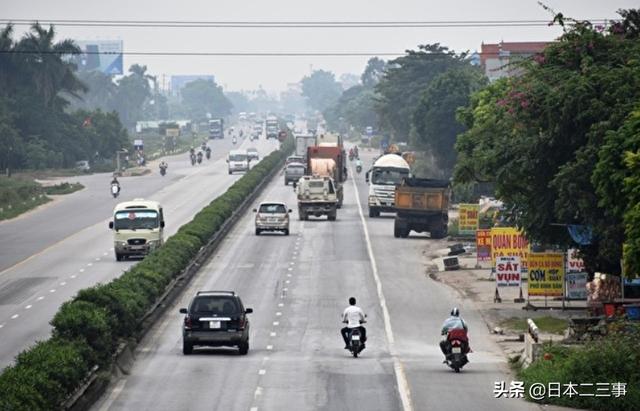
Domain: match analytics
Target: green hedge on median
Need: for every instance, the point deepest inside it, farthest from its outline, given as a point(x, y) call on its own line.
point(88, 328)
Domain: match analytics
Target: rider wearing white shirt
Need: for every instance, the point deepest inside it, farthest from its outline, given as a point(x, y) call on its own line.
point(354, 317)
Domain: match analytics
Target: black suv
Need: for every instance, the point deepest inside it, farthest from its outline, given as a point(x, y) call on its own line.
point(215, 319)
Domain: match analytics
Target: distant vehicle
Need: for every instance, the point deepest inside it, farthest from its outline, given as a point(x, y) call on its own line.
point(257, 130)
point(242, 116)
point(422, 204)
point(83, 166)
point(216, 128)
point(303, 142)
point(272, 127)
point(272, 216)
point(138, 227)
point(387, 172)
point(294, 159)
point(317, 197)
point(252, 153)
point(238, 160)
point(215, 319)
point(293, 172)
point(327, 158)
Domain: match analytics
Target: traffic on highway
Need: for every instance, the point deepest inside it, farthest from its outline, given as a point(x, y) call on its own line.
point(421, 228)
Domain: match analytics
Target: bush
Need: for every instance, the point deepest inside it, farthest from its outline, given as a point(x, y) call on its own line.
point(610, 360)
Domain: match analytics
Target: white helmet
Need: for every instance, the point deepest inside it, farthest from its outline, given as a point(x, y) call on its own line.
point(455, 312)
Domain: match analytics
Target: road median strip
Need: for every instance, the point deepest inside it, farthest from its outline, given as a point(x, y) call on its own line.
point(93, 330)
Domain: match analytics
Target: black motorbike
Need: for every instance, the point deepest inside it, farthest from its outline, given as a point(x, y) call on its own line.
point(200, 158)
point(208, 153)
point(163, 171)
point(193, 159)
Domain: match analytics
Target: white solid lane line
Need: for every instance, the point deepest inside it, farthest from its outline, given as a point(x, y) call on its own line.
point(401, 378)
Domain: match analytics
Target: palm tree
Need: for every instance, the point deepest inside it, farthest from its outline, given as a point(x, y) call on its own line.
point(7, 62)
point(50, 72)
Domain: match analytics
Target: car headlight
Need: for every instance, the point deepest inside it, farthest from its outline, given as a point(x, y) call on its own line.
point(121, 243)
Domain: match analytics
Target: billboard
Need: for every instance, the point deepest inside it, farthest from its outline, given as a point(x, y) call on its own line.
point(468, 219)
point(508, 271)
point(509, 241)
point(546, 274)
point(99, 55)
point(483, 245)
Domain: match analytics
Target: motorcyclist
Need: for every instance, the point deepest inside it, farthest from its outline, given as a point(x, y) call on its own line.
point(354, 317)
point(358, 165)
point(200, 157)
point(454, 322)
point(116, 183)
point(203, 146)
point(208, 152)
point(163, 166)
point(234, 140)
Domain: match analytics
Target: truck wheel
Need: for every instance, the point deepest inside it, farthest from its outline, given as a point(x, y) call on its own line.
point(301, 215)
point(286, 183)
point(230, 172)
point(405, 233)
point(286, 231)
point(119, 257)
point(243, 348)
point(332, 216)
point(258, 231)
point(373, 212)
point(187, 348)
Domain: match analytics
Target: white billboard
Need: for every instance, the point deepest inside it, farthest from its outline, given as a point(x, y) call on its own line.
point(100, 55)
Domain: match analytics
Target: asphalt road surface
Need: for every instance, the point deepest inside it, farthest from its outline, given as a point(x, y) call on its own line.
point(298, 286)
point(52, 253)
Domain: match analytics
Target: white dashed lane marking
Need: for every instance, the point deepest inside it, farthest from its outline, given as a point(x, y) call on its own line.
point(52, 291)
point(28, 307)
point(276, 323)
point(272, 334)
point(262, 372)
point(14, 316)
point(63, 283)
point(269, 347)
point(280, 304)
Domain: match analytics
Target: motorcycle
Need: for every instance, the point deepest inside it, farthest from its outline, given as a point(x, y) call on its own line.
point(355, 341)
point(234, 140)
point(458, 343)
point(193, 159)
point(115, 190)
point(359, 168)
point(200, 157)
point(208, 153)
point(163, 171)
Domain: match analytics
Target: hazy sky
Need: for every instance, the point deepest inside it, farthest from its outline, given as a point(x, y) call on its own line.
point(273, 73)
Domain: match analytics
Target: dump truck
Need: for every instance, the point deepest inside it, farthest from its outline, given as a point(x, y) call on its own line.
point(422, 205)
point(328, 161)
point(317, 197)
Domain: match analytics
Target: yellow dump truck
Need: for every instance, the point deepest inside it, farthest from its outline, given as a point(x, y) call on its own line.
point(422, 204)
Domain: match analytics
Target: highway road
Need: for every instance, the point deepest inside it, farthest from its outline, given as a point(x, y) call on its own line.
point(298, 286)
point(52, 253)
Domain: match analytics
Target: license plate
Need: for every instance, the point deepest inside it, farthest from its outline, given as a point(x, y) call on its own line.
point(355, 337)
point(456, 350)
point(214, 324)
point(137, 247)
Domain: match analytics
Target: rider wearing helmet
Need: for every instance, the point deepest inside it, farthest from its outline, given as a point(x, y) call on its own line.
point(454, 322)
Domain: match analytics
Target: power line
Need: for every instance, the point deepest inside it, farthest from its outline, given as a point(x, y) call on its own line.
point(290, 24)
point(221, 54)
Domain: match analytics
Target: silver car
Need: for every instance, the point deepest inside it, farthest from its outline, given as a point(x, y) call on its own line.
point(272, 216)
point(293, 172)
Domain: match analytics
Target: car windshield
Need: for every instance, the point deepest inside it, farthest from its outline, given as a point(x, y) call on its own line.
point(273, 208)
point(237, 157)
point(252, 151)
point(136, 220)
point(388, 177)
point(215, 305)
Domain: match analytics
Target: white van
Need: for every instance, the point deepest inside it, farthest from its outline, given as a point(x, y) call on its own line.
point(238, 160)
point(138, 228)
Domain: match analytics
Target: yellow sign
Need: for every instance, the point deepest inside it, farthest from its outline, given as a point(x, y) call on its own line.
point(546, 274)
point(509, 241)
point(468, 219)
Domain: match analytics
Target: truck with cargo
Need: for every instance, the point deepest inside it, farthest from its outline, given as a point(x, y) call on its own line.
point(317, 196)
point(387, 172)
point(272, 127)
point(422, 205)
point(328, 161)
point(216, 128)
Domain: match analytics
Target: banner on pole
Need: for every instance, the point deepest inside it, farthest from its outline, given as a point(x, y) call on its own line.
point(574, 263)
point(483, 245)
point(508, 271)
point(509, 241)
point(546, 274)
point(576, 286)
point(468, 219)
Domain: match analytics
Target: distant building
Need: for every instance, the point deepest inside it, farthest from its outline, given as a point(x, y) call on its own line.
point(495, 59)
point(178, 82)
point(99, 55)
